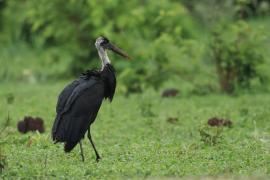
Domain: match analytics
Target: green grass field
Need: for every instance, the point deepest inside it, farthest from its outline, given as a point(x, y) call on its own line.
point(139, 136)
point(136, 140)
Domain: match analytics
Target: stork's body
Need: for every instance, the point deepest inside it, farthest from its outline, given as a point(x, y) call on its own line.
point(79, 102)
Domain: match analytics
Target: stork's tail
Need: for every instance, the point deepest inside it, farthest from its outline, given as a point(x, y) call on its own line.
point(69, 146)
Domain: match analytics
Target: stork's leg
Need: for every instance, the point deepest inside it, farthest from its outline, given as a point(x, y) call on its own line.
point(93, 145)
point(81, 151)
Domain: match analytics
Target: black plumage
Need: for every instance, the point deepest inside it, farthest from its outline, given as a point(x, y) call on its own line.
point(79, 102)
point(78, 105)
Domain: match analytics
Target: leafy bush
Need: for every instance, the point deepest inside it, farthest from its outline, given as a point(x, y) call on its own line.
point(248, 8)
point(210, 12)
point(164, 39)
point(236, 55)
point(156, 33)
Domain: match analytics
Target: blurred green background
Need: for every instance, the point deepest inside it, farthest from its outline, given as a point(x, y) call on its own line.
point(199, 47)
point(215, 53)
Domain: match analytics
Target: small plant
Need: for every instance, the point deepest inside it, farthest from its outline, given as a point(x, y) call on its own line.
point(209, 135)
point(2, 161)
point(236, 55)
point(10, 98)
point(6, 123)
point(146, 109)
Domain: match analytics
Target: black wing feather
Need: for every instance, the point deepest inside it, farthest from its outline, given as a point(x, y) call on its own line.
point(79, 110)
point(77, 91)
point(62, 99)
point(64, 95)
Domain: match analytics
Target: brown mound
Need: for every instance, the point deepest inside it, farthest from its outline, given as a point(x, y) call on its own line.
point(31, 124)
point(219, 122)
point(170, 93)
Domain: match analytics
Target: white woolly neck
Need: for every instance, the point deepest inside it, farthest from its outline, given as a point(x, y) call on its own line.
point(103, 57)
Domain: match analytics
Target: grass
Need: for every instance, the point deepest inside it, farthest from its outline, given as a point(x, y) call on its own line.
point(133, 134)
point(135, 139)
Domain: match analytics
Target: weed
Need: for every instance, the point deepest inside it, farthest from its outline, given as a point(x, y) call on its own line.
point(210, 136)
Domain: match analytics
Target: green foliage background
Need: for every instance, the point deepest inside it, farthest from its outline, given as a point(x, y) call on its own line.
point(168, 40)
point(202, 48)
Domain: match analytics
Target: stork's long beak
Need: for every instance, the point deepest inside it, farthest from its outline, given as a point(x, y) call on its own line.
point(117, 50)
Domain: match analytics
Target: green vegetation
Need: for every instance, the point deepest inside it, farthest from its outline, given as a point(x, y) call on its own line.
point(216, 53)
point(236, 50)
point(136, 144)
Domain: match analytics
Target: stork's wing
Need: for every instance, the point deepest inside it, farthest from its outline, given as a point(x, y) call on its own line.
point(77, 110)
point(65, 94)
point(78, 91)
point(62, 99)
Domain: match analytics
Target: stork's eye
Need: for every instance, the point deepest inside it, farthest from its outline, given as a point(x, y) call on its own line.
point(104, 41)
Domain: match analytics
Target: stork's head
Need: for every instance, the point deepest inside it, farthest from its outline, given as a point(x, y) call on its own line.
point(102, 43)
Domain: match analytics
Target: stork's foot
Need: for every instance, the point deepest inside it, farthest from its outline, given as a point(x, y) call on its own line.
point(98, 159)
point(82, 157)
